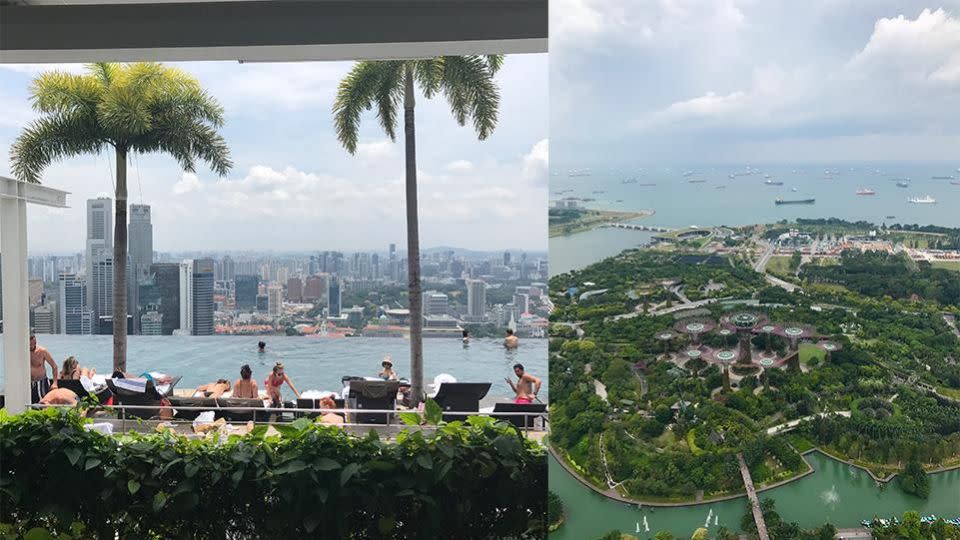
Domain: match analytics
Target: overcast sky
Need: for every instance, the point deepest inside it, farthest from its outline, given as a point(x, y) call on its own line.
point(294, 187)
point(672, 82)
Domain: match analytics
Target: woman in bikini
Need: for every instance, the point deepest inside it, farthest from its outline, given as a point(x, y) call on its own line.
point(246, 386)
point(214, 390)
point(274, 381)
point(72, 370)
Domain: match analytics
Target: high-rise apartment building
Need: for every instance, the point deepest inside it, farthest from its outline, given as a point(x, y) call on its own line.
point(295, 290)
point(315, 288)
point(45, 318)
point(186, 298)
point(274, 300)
point(140, 240)
point(476, 299)
point(151, 323)
point(435, 303)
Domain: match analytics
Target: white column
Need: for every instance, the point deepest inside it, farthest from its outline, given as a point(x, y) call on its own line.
point(16, 315)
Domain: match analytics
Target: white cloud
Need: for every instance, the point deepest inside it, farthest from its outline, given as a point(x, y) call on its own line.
point(536, 163)
point(188, 183)
point(925, 49)
point(460, 165)
point(36, 69)
point(377, 150)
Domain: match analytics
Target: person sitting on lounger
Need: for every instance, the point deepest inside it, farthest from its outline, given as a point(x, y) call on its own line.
point(329, 417)
point(214, 390)
point(59, 396)
point(274, 381)
point(387, 374)
point(246, 386)
point(527, 387)
point(72, 370)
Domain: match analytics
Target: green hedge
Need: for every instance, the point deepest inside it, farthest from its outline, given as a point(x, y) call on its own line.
point(475, 480)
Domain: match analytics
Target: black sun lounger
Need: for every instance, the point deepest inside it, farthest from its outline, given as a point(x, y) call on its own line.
point(138, 392)
point(74, 384)
point(521, 421)
point(460, 397)
point(377, 395)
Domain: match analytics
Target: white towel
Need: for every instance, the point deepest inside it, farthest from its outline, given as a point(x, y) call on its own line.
point(102, 427)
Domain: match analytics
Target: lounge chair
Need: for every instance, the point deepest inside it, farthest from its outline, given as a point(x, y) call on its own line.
point(378, 395)
point(140, 392)
point(77, 387)
point(219, 407)
point(460, 397)
point(522, 422)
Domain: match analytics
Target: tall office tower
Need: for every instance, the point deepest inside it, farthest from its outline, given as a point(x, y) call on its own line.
point(323, 261)
point(75, 316)
point(393, 252)
point(45, 318)
point(151, 323)
point(375, 262)
point(99, 240)
point(312, 267)
point(295, 290)
point(456, 268)
point(245, 292)
point(102, 288)
point(263, 302)
point(274, 300)
point(166, 276)
point(435, 303)
point(333, 297)
point(543, 267)
point(141, 240)
point(506, 258)
point(476, 299)
point(203, 297)
point(186, 298)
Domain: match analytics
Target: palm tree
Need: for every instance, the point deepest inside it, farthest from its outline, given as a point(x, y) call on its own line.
point(133, 108)
point(467, 82)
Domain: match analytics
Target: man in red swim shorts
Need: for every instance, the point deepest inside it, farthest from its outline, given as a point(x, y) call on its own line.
point(527, 386)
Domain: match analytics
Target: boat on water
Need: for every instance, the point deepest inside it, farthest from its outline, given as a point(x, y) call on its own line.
point(943, 177)
point(629, 180)
point(891, 217)
point(955, 183)
point(793, 189)
point(901, 183)
point(578, 172)
point(647, 184)
point(866, 191)
point(598, 191)
point(721, 187)
point(772, 183)
point(697, 181)
point(794, 201)
point(926, 199)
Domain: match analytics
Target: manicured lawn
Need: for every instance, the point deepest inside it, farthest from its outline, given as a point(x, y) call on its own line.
point(808, 351)
point(949, 265)
point(779, 265)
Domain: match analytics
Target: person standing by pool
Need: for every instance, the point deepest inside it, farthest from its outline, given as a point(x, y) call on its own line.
point(246, 386)
point(39, 383)
point(274, 381)
point(527, 387)
point(511, 341)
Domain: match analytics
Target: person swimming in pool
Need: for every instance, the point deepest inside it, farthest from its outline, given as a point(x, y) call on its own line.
point(262, 347)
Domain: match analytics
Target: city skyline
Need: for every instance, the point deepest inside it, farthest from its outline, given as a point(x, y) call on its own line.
point(291, 174)
point(745, 82)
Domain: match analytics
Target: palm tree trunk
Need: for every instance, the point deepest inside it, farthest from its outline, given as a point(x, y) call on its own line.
point(413, 245)
point(120, 265)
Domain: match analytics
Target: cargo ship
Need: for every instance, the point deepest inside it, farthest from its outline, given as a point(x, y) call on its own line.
point(866, 191)
point(795, 201)
point(943, 178)
point(902, 184)
point(926, 199)
point(772, 183)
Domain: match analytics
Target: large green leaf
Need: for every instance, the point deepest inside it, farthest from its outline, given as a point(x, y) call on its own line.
point(432, 412)
point(348, 473)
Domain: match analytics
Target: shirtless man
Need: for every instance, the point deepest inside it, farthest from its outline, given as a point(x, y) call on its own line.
point(527, 387)
point(511, 341)
point(39, 383)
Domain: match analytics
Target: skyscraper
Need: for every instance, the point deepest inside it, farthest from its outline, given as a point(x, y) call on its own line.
point(274, 300)
point(151, 323)
point(476, 299)
point(333, 297)
point(203, 297)
point(102, 291)
point(99, 241)
point(186, 297)
point(315, 288)
point(435, 303)
point(166, 276)
point(506, 258)
point(75, 316)
point(245, 292)
point(141, 240)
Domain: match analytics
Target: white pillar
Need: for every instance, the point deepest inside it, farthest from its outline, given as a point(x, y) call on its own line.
point(16, 305)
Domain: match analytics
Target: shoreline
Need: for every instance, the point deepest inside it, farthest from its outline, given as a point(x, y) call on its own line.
point(615, 496)
point(594, 218)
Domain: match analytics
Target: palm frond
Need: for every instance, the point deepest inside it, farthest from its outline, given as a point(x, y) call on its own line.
point(389, 96)
point(494, 63)
point(103, 72)
point(356, 93)
point(429, 73)
point(471, 92)
point(56, 92)
point(50, 139)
